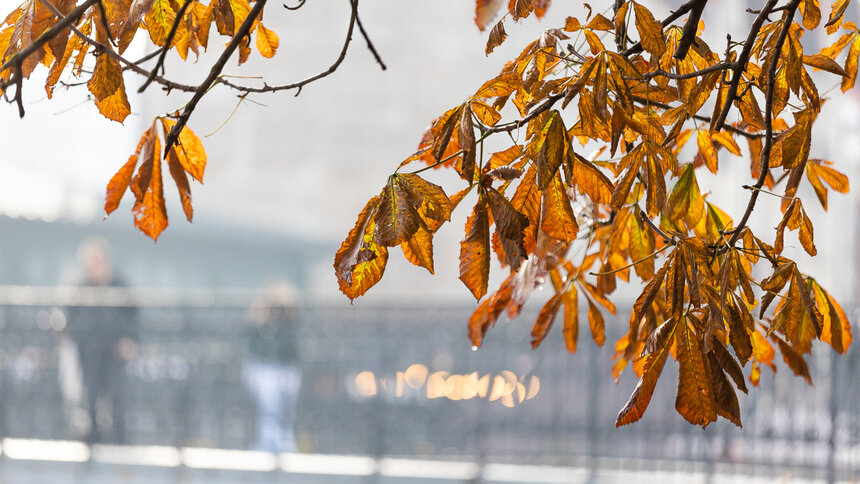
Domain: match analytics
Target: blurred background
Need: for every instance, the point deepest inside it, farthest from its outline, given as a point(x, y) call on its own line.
point(205, 346)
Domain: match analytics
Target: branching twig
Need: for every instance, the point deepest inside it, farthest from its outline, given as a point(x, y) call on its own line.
point(300, 84)
point(768, 120)
point(243, 30)
point(666, 238)
point(689, 75)
point(159, 65)
point(741, 64)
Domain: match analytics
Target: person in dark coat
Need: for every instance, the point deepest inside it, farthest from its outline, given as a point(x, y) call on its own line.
point(103, 328)
point(271, 370)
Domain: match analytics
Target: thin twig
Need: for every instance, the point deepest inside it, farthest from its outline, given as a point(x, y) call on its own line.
point(741, 64)
point(159, 65)
point(370, 46)
point(689, 75)
point(791, 8)
point(628, 266)
point(243, 30)
point(666, 238)
point(300, 84)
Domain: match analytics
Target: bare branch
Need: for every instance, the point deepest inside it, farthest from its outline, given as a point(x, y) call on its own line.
point(300, 84)
point(369, 43)
point(688, 36)
point(637, 47)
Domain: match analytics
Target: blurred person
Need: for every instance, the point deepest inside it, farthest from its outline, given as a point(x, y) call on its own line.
point(99, 341)
point(271, 371)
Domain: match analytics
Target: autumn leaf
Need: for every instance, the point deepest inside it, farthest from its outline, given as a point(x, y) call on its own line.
point(650, 31)
point(486, 11)
point(475, 251)
point(510, 226)
point(570, 331)
point(267, 41)
point(819, 172)
point(559, 221)
point(497, 36)
point(419, 249)
point(150, 214)
point(694, 400)
point(360, 261)
point(657, 349)
point(189, 150)
point(545, 319)
point(396, 219)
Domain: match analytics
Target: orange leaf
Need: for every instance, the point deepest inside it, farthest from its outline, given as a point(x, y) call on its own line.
point(657, 349)
point(178, 174)
point(419, 249)
point(150, 213)
point(650, 31)
point(510, 225)
point(475, 251)
point(497, 36)
point(486, 11)
point(571, 318)
point(694, 400)
point(360, 261)
point(545, 319)
point(559, 221)
point(189, 150)
point(267, 41)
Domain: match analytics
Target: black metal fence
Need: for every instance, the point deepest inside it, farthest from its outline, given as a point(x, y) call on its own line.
point(406, 382)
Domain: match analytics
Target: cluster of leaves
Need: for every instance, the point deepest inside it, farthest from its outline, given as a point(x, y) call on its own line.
point(87, 41)
point(634, 208)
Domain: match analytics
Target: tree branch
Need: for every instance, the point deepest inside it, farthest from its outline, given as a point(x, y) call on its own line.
point(790, 10)
point(741, 64)
point(716, 67)
point(159, 65)
point(241, 33)
point(688, 36)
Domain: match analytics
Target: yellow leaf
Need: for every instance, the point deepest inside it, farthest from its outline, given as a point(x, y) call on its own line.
point(851, 64)
point(836, 329)
point(178, 174)
point(115, 107)
point(189, 150)
point(107, 77)
point(159, 20)
point(486, 113)
point(836, 13)
point(706, 149)
point(650, 31)
point(267, 41)
point(811, 13)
